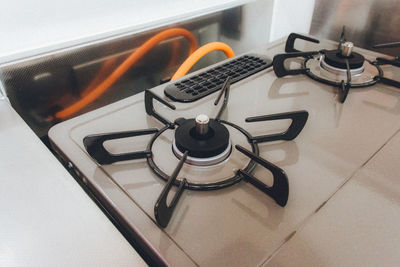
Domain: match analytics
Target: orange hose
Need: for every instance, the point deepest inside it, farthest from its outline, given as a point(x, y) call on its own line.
point(198, 54)
point(121, 69)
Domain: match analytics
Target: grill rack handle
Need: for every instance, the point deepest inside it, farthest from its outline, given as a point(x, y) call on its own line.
point(279, 191)
point(94, 145)
point(299, 119)
point(279, 63)
point(289, 46)
point(163, 211)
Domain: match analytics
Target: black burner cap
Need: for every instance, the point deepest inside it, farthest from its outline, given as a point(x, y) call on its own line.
point(212, 144)
point(335, 59)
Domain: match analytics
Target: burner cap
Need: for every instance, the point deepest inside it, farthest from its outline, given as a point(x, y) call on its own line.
point(202, 141)
point(337, 60)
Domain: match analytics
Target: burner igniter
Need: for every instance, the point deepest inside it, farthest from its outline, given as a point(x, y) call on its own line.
point(346, 49)
point(202, 122)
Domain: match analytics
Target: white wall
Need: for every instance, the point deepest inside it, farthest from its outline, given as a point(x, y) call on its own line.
point(268, 20)
point(256, 26)
point(291, 16)
point(31, 27)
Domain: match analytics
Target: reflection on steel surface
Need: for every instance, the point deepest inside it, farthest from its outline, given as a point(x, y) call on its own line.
point(367, 22)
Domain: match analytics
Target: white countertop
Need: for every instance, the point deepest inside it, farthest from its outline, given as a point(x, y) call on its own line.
point(29, 28)
point(46, 217)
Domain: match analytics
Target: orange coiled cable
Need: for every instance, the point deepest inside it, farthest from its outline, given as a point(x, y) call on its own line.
point(121, 69)
point(198, 54)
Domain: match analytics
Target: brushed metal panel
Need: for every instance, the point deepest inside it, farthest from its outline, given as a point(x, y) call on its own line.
point(367, 22)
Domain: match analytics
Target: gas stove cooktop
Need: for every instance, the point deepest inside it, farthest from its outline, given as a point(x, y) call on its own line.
point(275, 148)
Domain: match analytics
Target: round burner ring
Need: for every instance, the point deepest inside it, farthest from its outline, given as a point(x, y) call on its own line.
point(203, 161)
point(204, 186)
point(319, 74)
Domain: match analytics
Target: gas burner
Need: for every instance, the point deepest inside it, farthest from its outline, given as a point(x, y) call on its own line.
point(335, 60)
point(203, 142)
point(330, 67)
point(341, 67)
point(206, 141)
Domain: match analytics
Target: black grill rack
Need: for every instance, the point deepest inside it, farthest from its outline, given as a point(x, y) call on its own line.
point(279, 191)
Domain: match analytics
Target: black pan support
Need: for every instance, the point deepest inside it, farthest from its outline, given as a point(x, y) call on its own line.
point(289, 47)
point(94, 145)
point(342, 37)
point(149, 96)
point(383, 61)
point(163, 211)
point(386, 61)
point(298, 118)
point(345, 86)
point(280, 59)
point(279, 191)
point(225, 91)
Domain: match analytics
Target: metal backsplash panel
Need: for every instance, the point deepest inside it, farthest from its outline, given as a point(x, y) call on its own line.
point(41, 86)
point(367, 22)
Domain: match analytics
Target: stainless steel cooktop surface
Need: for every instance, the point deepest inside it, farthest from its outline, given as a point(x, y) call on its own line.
point(239, 225)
